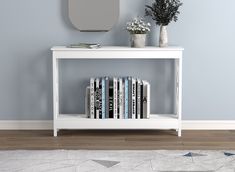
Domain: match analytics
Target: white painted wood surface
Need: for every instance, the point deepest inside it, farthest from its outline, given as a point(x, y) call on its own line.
point(164, 121)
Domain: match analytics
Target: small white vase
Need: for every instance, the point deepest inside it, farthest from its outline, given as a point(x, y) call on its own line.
point(138, 40)
point(163, 39)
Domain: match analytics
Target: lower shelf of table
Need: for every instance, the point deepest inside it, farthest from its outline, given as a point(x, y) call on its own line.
point(81, 122)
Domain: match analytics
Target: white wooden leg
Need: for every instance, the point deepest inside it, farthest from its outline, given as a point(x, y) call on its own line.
point(178, 92)
point(179, 132)
point(180, 96)
point(55, 93)
point(55, 132)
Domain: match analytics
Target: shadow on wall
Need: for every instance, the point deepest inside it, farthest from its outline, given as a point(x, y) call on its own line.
point(64, 14)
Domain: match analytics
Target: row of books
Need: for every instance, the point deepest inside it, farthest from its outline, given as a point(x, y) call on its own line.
point(118, 98)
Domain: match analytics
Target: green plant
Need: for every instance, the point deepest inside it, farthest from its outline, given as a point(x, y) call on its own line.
point(164, 11)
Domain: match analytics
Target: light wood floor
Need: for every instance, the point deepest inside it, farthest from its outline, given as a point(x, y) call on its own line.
point(115, 140)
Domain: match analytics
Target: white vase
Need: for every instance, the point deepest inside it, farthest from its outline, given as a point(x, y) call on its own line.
point(163, 39)
point(138, 40)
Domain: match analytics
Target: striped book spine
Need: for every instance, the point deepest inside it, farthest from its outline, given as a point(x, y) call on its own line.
point(97, 101)
point(106, 97)
point(133, 104)
point(92, 98)
point(103, 97)
point(126, 98)
point(138, 98)
point(115, 98)
point(120, 99)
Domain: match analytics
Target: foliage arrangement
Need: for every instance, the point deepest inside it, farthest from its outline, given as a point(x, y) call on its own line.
point(164, 11)
point(138, 26)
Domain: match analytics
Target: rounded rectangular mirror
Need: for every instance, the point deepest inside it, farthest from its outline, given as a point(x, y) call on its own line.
point(93, 15)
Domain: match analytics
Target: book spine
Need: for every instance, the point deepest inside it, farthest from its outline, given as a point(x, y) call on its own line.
point(129, 97)
point(92, 99)
point(106, 97)
point(133, 89)
point(123, 98)
point(111, 99)
point(120, 98)
point(141, 100)
point(115, 98)
point(148, 100)
point(100, 98)
point(103, 98)
point(87, 102)
point(138, 98)
point(126, 100)
point(97, 97)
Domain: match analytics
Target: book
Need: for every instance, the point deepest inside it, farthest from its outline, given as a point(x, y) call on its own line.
point(100, 98)
point(146, 99)
point(126, 98)
point(141, 100)
point(138, 96)
point(92, 98)
point(115, 98)
point(106, 97)
point(133, 100)
point(103, 109)
point(85, 45)
point(120, 98)
point(110, 98)
point(97, 97)
point(87, 102)
point(130, 97)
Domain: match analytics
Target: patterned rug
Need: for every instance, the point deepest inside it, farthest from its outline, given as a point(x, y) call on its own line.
point(116, 161)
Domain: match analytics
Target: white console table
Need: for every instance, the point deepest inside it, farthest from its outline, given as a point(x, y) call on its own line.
point(156, 121)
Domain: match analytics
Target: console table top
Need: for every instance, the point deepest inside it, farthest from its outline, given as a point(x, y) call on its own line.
point(118, 48)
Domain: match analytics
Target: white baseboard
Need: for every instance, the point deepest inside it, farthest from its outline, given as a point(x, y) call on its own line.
point(208, 124)
point(186, 124)
point(26, 124)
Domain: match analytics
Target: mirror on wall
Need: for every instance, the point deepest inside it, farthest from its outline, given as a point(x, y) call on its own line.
point(93, 15)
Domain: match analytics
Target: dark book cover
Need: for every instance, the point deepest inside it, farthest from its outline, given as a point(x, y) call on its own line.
point(129, 97)
point(100, 98)
point(141, 100)
point(118, 98)
point(111, 99)
point(106, 97)
point(95, 99)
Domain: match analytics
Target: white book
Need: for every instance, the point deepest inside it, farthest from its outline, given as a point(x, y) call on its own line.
point(87, 102)
point(138, 97)
point(92, 98)
point(97, 101)
point(115, 98)
point(133, 104)
point(120, 98)
point(146, 99)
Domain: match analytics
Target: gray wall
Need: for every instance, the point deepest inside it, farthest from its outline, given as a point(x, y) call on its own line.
point(28, 28)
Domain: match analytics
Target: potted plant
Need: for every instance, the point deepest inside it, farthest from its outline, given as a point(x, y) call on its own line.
point(138, 29)
point(163, 12)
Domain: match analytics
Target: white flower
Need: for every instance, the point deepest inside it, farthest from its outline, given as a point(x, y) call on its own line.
point(138, 26)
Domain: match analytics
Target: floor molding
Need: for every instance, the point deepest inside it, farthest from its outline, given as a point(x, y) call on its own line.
point(26, 124)
point(208, 124)
point(186, 124)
